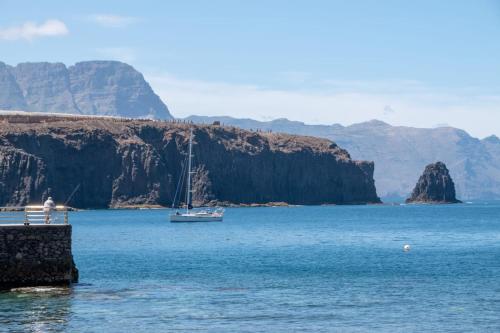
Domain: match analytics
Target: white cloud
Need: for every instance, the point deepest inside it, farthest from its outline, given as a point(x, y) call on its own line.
point(348, 103)
point(32, 30)
point(388, 110)
point(123, 54)
point(113, 21)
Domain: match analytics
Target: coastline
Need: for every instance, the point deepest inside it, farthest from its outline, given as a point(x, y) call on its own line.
point(233, 205)
point(210, 205)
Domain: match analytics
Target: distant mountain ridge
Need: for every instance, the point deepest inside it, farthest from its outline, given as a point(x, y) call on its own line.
point(109, 88)
point(400, 153)
point(112, 88)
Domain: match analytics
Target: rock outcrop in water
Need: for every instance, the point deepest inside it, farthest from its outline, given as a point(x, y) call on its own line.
point(92, 87)
point(434, 186)
point(121, 163)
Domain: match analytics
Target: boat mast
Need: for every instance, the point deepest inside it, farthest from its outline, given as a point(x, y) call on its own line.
point(188, 195)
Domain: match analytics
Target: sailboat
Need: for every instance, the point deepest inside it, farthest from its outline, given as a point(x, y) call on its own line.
point(190, 214)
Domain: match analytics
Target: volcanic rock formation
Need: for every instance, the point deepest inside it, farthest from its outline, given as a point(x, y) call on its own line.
point(434, 186)
point(123, 162)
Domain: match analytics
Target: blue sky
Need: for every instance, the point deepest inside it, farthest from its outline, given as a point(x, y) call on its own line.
point(418, 63)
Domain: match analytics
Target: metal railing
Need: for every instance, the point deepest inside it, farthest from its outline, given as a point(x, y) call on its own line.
point(33, 214)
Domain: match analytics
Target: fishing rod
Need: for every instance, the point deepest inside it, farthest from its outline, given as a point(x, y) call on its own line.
point(72, 194)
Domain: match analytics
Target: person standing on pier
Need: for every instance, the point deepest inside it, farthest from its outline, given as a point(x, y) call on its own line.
point(48, 207)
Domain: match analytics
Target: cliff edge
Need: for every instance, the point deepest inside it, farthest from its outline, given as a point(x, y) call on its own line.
point(121, 162)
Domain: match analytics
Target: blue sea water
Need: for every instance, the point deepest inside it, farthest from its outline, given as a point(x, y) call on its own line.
point(287, 269)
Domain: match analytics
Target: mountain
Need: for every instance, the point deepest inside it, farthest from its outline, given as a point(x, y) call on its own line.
point(11, 96)
point(116, 89)
point(107, 88)
point(120, 162)
point(400, 153)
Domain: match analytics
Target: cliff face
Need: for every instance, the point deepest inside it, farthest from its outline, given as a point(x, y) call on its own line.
point(116, 89)
point(122, 163)
point(11, 96)
point(45, 86)
point(434, 186)
point(92, 87)
point(401, 153)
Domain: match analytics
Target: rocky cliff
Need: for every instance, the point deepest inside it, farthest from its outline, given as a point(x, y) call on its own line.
point(401, 153)
point(119, 163)
point(434, 186)
point(11, 96)
point(93, 87)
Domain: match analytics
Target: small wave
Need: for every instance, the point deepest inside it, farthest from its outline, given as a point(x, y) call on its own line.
point(230, 289)
point(40, 291)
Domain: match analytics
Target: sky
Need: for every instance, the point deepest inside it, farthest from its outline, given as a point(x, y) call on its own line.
point(414, 63)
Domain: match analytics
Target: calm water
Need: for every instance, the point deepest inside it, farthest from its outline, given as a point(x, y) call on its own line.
point(297, 269)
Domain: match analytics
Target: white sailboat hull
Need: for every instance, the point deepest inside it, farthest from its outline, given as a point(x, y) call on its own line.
point(196, 217)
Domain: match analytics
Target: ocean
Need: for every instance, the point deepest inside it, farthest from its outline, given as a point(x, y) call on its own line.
point(276, 269)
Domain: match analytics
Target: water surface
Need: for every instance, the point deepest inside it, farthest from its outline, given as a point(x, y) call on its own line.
point(286, 269)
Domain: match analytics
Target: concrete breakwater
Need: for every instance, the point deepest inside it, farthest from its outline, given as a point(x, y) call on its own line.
point(36, 255)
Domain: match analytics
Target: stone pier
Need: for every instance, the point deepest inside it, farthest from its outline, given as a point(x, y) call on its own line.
point(36, 255)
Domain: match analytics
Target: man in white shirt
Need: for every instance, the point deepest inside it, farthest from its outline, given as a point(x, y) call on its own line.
point(48, 207)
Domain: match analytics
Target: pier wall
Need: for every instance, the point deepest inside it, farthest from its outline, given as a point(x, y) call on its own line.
point(36, 255)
